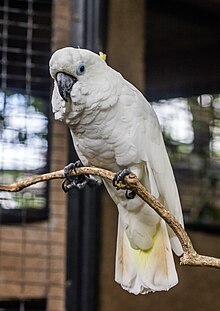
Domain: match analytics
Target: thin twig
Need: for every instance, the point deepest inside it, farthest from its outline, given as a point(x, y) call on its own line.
point(131, 182)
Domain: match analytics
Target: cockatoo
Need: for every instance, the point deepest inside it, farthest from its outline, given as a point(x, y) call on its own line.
point(114, 127)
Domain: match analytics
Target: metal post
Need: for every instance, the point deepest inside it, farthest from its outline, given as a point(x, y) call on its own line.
point(84, 206)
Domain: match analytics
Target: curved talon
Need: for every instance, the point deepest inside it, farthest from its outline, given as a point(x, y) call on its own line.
point(70, 167)
point(67, 169)
point(130, 194)
point(77, 164)
point(67, 185)
point(75, 182)
point(64, 186)
point(120, 176)
point(114, 182)
point(80, 181)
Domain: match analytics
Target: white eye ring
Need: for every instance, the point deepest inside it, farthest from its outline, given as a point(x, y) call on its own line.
point(80, 69)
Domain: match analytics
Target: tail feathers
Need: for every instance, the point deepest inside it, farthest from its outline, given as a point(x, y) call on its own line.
point(175, 244)
point(141, 272)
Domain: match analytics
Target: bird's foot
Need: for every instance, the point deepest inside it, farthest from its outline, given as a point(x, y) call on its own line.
point(71, 166)
point(79, 181)
point(74, 182)
point(120, 177)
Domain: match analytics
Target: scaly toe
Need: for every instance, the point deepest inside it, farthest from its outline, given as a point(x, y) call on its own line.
point(120, 176)
point(67, 169)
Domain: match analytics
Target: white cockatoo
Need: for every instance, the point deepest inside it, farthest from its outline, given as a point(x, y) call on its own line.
point(114, 127)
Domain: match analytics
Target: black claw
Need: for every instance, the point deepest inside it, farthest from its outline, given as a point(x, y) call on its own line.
point(70, 167)
point(74, 182)
point(64, 185)
point(80, 181)
point(130, 194)
point(120, 176)
point(67, 185)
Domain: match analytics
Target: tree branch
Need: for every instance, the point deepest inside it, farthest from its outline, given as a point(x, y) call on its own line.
point(131, 182)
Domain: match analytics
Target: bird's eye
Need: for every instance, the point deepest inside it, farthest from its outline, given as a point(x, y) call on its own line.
point(80, 69)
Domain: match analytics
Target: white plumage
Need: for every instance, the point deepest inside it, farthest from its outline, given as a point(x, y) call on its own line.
point(114, 127)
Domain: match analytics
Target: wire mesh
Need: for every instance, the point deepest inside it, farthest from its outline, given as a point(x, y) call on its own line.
point(191, 131)
point(31, 253)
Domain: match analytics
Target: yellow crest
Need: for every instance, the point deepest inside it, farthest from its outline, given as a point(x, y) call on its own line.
point(103, 56)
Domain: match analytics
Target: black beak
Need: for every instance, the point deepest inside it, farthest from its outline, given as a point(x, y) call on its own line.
point(65, 83)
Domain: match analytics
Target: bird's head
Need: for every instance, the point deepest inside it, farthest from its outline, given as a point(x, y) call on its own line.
point(69, 66)
point(83, 85)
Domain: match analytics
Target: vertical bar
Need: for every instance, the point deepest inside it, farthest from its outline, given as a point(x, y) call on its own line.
point(78, 24)
point(4, 45)
point(82, 247)
point(29, 47)
point(90, 249)
point(74, 245)
point(83, 206)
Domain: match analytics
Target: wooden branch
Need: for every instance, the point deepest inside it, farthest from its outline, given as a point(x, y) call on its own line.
point(131, 182)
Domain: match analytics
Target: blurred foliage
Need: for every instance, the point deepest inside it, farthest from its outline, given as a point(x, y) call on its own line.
point(23, 148)
point(191, 128)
